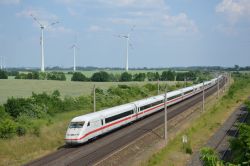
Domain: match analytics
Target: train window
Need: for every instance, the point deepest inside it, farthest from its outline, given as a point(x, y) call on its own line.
point(88, 124)
point(188, 92)
point(157, 103)
point(173, 97)
point(145, 107)
point(76, 124)
point(102, 121)
point(119, 116)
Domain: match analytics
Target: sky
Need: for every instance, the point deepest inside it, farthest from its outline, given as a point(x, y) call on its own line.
point(166, 33)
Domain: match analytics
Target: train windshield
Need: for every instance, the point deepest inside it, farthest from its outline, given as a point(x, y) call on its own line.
point(76, 124)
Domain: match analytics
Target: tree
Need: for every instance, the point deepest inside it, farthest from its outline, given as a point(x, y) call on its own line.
point(35, 75)
point(139, 77)
point(168, 75)
point(3, 74)
point(78, 76)
point(29, 76)
point(153, 76)
point(15, 107)
point(101, 76)
point(126, 77)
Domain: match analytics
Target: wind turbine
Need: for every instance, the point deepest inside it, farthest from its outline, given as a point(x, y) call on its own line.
point(127, 37)
point(1, 64)
point(42, 26)
point(74, 47)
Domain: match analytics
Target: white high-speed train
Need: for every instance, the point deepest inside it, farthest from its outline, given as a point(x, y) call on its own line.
point(85, 127)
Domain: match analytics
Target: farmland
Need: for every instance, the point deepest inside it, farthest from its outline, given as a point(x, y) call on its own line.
point(24, 88)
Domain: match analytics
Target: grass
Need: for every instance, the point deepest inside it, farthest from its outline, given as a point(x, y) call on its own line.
point(24, 88)
point(200, 130)
point(19, 150)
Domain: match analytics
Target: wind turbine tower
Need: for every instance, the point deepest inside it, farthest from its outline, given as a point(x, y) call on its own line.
point(127, 37)
point(74, 50)
point(42, 26)
point(1, 64)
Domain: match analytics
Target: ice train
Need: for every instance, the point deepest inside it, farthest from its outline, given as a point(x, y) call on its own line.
point(88, 126)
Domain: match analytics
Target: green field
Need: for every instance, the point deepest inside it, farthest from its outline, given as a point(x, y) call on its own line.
point(24, 88)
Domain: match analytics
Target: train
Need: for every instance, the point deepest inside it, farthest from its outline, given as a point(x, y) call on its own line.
point(86, 127)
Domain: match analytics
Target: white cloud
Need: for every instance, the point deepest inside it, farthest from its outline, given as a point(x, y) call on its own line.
point(180, 23)
point(135, 3)
point(45, 18)
point(10, 2)
point(234, 9)
point(39, 13)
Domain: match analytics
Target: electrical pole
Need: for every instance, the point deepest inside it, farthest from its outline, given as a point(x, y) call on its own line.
point(166, 116)
point(185, 82)
point(94, 98)
point(158, 87)
point(203, 98)
point(218, 87)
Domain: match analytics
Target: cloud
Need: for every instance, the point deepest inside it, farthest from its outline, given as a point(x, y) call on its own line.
point(45, 18)
point(180, 23)
point(135, 3)
point(10, 2)
point(234, 9)
point(39, 13)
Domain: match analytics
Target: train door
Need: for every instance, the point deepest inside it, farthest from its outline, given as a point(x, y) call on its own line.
point(136, 111)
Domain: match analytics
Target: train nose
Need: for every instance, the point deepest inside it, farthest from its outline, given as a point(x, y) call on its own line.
point(73, 133)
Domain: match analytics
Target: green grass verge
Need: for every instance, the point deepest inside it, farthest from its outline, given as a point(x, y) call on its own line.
point(19, 150)
point(201, 129)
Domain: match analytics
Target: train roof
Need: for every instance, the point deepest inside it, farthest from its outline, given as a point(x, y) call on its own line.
point(104, 113)
point(148, 100)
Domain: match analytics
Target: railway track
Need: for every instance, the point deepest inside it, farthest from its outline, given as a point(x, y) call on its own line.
point(94, 151)
point(222, 146)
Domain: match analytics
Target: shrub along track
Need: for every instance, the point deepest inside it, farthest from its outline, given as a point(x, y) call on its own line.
point(94, 151)
point(220, 140)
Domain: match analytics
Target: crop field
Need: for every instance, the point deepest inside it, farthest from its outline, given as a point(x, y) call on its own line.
point(24, 88)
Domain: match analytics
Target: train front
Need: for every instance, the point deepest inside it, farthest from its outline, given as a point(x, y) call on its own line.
point(75, 132)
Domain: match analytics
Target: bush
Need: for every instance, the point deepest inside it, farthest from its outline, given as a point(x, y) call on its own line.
point(7, 128)
point(3, 74)
point(14, 107)
point(125, 77)
point(101, 76)
point(56, 76)
point(210, 157)
point(168, 75)
point(21, 130)
point(140, 77)
point(78, 76)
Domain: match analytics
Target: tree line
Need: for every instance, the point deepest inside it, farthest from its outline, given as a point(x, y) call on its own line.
point(169, 75)
point(103, 76)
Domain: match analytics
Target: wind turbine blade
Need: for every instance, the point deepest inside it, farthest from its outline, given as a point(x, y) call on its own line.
point(36, 20)
point(121, 36)
point(53, 23)
point(132, 28)
point(131, 46)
